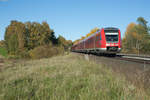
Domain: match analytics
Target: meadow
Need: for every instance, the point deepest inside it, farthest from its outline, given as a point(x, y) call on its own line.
point(67, 77)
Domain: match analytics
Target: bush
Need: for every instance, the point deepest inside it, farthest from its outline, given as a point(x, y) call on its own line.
point(45, 52)
point(24, 54)
point(3, 51)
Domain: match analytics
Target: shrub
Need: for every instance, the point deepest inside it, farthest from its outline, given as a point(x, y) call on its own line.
point(45, 52)
point(3, 51)
point(24, 54)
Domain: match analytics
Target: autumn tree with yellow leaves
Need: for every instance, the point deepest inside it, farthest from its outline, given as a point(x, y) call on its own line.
point(137, 38)
point(33, 39)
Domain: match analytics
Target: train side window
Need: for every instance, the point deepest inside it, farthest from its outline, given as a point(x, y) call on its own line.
point(97, 38)
point(88, 41)
point(100, 37)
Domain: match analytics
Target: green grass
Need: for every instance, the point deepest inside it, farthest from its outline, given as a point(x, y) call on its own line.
point(67, 77)
point(3, 52)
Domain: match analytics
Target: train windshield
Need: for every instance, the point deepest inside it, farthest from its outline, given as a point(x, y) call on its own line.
point(111, 36)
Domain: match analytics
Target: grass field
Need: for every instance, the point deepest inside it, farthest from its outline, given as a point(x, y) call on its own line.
point(3, 52)
point(68, 77)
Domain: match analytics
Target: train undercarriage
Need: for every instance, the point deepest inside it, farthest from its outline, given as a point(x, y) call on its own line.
point(109, 51)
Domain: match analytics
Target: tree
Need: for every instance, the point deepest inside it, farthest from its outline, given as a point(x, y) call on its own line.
point(129, 40)
point(23, 37)
point(141, 21)
point(136, 38)
point(62, 41)
point(65, 43)
point(53, 38)
point(94, 30)
point(39, 34)
point(142, 30)
point(48, 35)
point(15, 37)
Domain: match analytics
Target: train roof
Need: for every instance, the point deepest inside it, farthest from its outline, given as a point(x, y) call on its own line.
point(111, 28)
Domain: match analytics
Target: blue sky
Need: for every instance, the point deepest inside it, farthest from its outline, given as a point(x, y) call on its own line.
point(74, 18)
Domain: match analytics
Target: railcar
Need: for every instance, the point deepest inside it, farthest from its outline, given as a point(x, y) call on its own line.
point(104, 41)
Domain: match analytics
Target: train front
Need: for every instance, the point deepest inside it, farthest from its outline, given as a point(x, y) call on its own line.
point(113, 40)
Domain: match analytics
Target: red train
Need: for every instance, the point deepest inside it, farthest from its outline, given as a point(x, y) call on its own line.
point(104, 41)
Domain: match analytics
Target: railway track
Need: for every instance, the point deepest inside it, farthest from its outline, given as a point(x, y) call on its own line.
point(144, 60)
point(134, 58)
point(134, 55)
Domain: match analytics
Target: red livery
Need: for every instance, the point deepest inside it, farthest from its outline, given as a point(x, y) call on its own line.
point(104, 41)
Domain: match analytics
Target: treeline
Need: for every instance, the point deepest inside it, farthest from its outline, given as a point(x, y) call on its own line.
point(33, 40)
point(137, 37)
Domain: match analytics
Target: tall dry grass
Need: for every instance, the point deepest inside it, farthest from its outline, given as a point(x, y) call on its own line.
point(67, 77)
